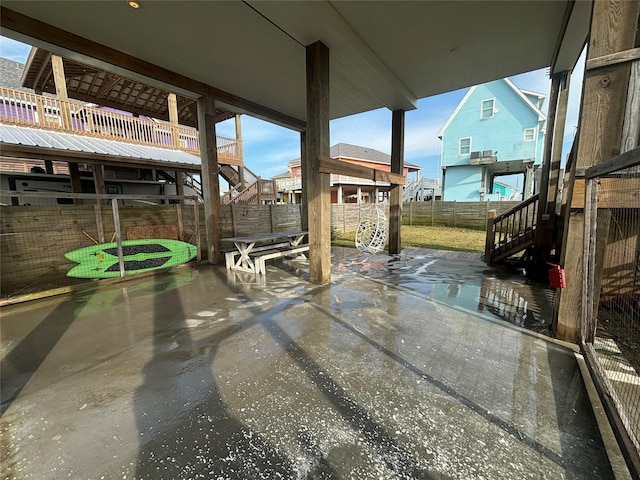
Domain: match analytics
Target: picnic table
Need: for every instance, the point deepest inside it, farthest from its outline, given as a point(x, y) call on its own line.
point(254, 250)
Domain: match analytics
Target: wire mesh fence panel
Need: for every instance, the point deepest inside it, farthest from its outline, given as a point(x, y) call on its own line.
point(48, 246)
point(613, 274)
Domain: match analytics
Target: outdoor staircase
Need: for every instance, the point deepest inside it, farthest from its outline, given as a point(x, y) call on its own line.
point(420, 189)
point(511, 232)
point(252, 191)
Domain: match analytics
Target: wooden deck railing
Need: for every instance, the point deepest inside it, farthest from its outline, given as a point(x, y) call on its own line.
point(512, 231)
point(39, 111)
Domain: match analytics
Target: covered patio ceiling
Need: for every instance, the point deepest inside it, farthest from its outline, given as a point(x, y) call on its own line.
point(250, 55)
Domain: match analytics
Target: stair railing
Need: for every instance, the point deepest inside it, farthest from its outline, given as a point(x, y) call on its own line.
point(511, 230)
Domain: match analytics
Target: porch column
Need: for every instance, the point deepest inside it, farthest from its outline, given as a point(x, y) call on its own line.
point(304, 211)
point(172, 102)
point(210, 183)
point(545, 218)
point(527, 189)
point(76, 183)
point(601, 125)
point(376, 194)
point(98, 181)
point(359, 195)
point(316, 184)
point(339, 194)
point(60, 82)
point(239, 148)
point(558, 138)
point(395, 195)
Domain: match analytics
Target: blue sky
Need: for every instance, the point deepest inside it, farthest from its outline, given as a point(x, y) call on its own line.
point(268, 148)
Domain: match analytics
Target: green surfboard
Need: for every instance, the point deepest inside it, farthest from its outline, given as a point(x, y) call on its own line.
point(101, 261)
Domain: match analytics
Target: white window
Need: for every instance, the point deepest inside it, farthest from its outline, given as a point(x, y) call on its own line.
point(464, 146)
point(529, 135)
point(487, 108)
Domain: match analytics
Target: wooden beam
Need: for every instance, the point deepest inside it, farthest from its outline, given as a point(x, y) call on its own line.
point(628, 159)
point(210, 183)
point(316, 182)
point(395, 195)
point(611, 193)
point(613, 59)
point(339, 167)
point(45, 63)
point(107, 85)
point(100, 56)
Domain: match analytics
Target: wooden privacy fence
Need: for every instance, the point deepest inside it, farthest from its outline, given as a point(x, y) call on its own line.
point(345, 217)
point(34, 238)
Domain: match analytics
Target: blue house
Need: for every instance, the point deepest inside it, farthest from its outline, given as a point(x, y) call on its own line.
point(496, 130)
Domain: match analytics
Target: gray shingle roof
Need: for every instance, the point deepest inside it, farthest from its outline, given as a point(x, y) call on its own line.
point(17, 135)
point(11, 73)
point(346, 150)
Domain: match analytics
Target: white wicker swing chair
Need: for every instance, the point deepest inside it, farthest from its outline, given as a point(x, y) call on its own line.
point(371, 235)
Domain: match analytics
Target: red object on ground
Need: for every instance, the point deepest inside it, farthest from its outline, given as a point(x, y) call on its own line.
point(556, 276)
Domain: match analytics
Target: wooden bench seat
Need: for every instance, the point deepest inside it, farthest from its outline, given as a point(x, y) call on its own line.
point(260, 257)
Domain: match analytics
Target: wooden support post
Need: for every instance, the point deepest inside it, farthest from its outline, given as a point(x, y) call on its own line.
point(48, 167)
point(601, 125)
point(210, 183)
point(491, 236)
point(61, 91)
point(239, 144)
point(316, 184)
point(397, 166)
point(545, 219)
point(196, 213)
point(76, 183)
point(304, 211)
point(172, 102)
point(99, 222)
point(98, 181)
point(179, 184)
point(558, 138)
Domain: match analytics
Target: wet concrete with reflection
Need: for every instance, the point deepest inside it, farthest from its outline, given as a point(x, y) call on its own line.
point(392, 371)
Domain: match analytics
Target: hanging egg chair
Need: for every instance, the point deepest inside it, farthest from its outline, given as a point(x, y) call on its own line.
point(371, 235)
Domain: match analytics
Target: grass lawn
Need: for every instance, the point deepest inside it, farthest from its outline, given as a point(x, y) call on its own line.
point(439, 238)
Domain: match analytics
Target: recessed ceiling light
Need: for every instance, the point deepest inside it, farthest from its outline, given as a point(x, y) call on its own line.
point(133, 4)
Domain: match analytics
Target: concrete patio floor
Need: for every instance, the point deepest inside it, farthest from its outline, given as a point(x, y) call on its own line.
point(400, 368)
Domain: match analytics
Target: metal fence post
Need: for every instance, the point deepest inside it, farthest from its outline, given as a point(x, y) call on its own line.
point(116, 226)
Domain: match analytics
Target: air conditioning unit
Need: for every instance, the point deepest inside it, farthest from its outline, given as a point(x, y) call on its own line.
point(487, 153)
point(476, 154)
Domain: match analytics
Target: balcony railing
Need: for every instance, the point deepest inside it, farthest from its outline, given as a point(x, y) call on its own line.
point(38, 111)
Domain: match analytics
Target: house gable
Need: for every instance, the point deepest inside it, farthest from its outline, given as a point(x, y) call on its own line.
point(501, 131)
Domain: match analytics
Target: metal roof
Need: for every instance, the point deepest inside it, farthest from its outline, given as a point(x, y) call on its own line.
point(13, 135)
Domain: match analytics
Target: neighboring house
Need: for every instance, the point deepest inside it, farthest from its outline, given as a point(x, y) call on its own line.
point(345, 189)
point(496, 130)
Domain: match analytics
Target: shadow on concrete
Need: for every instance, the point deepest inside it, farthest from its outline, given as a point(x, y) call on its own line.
point(185, 427)
point(19, 365)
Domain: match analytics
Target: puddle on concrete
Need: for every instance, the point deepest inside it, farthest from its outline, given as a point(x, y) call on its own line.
point(462, 281)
